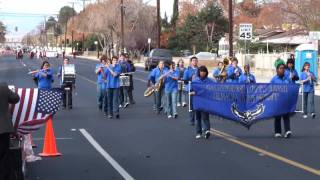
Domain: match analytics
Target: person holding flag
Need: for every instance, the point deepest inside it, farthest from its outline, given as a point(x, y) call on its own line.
point(202, 117)
point(308, 80)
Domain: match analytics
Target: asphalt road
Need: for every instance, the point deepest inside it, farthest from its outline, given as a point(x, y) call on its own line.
point(147, 146)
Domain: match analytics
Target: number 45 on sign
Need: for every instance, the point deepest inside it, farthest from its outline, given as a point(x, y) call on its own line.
point(245, 31)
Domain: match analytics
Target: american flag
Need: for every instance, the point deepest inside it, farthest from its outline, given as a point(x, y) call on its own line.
point(35, 108)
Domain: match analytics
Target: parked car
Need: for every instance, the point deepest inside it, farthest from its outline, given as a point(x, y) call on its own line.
point(155, 56)
point(205, 56)
point(185, 53)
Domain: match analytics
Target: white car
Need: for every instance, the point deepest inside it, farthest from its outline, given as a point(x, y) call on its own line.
point(205, 56)
point(51, 54)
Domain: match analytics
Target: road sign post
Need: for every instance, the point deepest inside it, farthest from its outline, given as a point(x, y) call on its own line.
point(245, 33)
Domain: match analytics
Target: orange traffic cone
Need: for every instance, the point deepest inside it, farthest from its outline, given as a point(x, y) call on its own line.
point(49, 146)
point(32, 142)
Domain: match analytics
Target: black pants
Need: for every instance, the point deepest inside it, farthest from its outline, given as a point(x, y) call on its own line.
point(4, 150)
point(286, 122)
point(66, 93)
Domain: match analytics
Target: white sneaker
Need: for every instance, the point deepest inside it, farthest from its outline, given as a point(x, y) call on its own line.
point(277, 135)
point(126, 105)
point(178, 104)
point(288, 134)
point(313, 115)
point(120, 106)
point(169, 116)
point(305, 116)
point(198, 136)
point(207, 134)
point(184, 104)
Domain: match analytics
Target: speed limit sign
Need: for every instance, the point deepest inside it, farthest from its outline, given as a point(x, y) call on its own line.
point(245, 31)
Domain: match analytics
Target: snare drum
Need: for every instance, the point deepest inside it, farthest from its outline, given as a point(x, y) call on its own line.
point(180, 85)
point(68, 74)
point(124, 80)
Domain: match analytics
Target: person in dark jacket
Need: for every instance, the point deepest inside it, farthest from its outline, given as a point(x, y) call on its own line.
point(6, 127)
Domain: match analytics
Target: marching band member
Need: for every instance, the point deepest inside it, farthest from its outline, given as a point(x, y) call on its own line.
point(171, 89)
point(156, 76)
point(308, 79)
point(234, 71)
point(247, 77)
point(132, 69)
point(124, 95)
point(280, 78)
point(102, 97)
point(182, 94)
point(63, 86)
point(201, 116)
point(44, 76)
point(290, 72)
point(189, 75)
point(216, 72)
point(112, 72)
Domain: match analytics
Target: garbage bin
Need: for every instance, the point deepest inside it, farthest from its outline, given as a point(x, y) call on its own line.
point(306, 53)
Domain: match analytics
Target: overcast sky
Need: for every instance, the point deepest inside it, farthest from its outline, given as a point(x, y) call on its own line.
point(27, 14)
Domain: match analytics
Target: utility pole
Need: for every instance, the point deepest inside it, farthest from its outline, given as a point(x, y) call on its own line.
point(122, 27)
point(72, 28)
point(158, 24)
point(230, 28)
point(45, 31)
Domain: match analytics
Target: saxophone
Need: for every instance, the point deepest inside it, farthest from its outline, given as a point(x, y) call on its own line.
point(223, 72)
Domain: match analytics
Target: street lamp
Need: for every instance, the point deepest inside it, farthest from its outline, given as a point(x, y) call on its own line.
point(96, 43)
point(77, 46)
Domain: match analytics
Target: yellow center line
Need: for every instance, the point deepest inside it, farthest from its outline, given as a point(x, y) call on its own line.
point(265, 152)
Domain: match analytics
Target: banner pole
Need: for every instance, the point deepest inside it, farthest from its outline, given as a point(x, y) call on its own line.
point(302, 98)
point(189, 96)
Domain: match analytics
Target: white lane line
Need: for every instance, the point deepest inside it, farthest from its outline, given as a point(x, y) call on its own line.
point(114, 163)
point(139, 79)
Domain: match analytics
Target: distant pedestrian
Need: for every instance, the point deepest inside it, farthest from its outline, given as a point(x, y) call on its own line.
point(308, 80)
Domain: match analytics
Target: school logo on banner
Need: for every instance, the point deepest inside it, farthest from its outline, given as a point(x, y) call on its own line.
point(247, 117)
